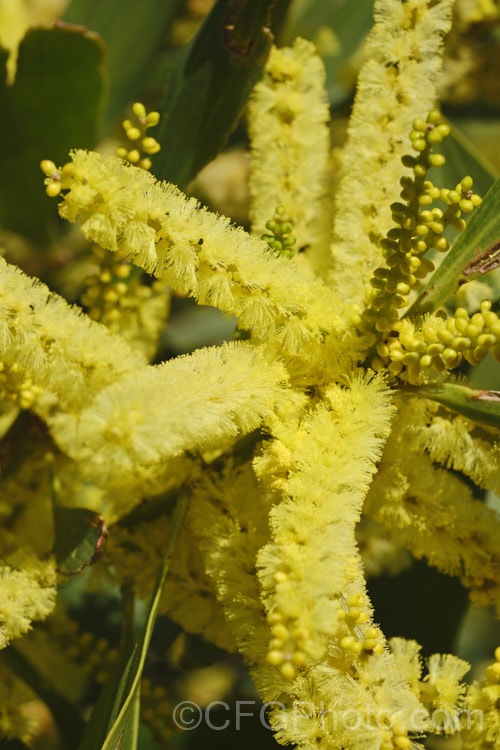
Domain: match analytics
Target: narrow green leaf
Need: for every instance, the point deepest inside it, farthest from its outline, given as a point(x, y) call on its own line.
point(68, 720)
point(114, 720)
point(478, 405)
point(482, 233)
point(54, 104)
point(279, 16)
point(133, 32)
point(118, 732)
point(131, 735)
point(108, 704)
point(210, 85)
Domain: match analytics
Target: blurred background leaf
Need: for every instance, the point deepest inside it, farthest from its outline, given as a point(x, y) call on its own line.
point(132, 32)
point(338, 28)
point(64, 67)
point(210, 85)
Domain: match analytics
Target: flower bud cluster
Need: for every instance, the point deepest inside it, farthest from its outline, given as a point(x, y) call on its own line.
point(95, 654)
point(136, 131)
point(418, 228)
point(117, 297)
point(362, 641)
point(281, 240)
point(482, 701)
point(352, 614)
point(439, 344)
point(17, 387)
point(56, 179)
point(287, 645)
point(107, 291)
point(156, 710)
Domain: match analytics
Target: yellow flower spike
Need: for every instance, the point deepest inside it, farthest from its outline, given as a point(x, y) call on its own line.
point(291, 136)
point(197, 264)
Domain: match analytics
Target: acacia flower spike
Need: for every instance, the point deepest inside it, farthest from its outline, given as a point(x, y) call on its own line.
point(125, 210)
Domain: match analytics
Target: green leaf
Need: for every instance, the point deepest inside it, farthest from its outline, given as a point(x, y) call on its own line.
point(117, 708)
point(106, 709)
point(131, 735)
point(481, 233)
point(133, 32)
point(478, 405)
point(279, 15)
point(54, 104)
point(80, 537)
point(116, 735)
point(79, 533)
point(210, 85)
point(68, 720)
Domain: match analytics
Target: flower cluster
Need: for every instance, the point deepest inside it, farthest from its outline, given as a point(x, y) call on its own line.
point(284, 441)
